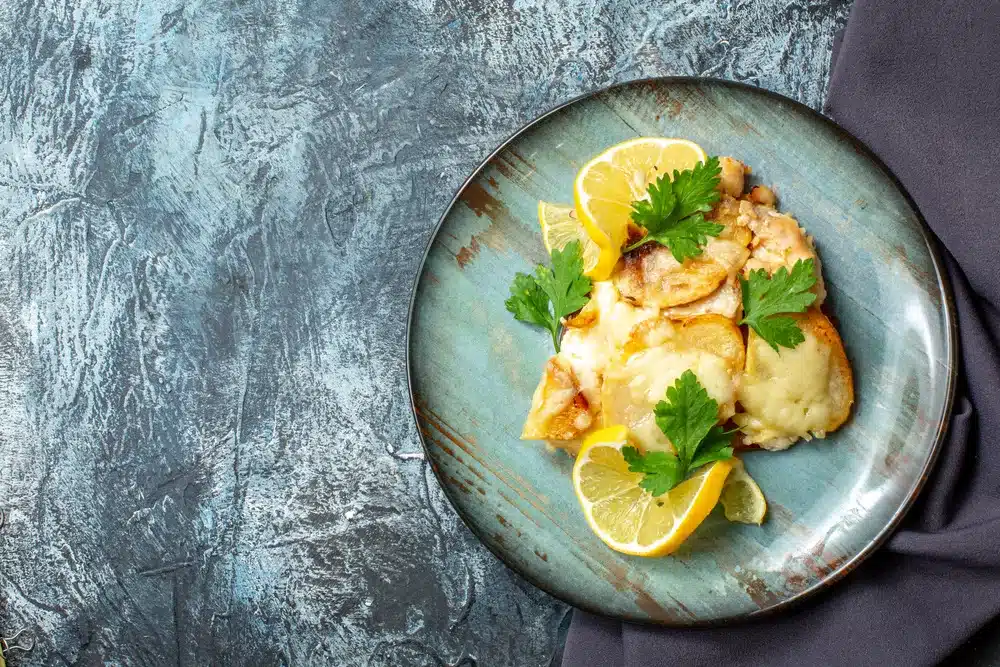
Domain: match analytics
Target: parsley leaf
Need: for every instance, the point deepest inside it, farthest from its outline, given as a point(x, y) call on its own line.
point(528, 301)
point(565, 284)
point(551, 294)
point(673, 213)
point(717, 446)
point(689, 419)
point(766, 298)
point(687, 416)
point(695, 189)
point(659, 207)
point(662, 469)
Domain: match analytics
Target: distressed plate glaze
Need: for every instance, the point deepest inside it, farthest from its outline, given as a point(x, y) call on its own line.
point(473, 368)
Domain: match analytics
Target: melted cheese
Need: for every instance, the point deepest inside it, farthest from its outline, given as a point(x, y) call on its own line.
point(785, 394)
point(590, 349)
point(557, 410)
point(632, 389)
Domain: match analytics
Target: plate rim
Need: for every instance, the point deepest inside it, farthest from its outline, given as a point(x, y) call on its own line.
point(951, 339)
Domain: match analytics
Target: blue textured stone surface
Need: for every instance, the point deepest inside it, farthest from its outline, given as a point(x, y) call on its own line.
point(213, 213)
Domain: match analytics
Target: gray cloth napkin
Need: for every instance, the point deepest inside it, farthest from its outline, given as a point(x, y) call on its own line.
point(919, 82)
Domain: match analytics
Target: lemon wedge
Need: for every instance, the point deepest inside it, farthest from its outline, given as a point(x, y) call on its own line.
point(607, 185)
point(560, 226)
point(741, 498)
point(628, 518)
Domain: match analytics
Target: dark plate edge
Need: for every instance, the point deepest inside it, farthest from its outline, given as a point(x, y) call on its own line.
point(952, 339)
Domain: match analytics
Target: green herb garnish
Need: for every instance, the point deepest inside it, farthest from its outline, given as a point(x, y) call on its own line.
point(768, 299)
point(673, 215)
point(689, 418)
point(551, 294)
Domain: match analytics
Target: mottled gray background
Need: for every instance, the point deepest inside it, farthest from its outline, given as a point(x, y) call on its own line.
point(213, 212)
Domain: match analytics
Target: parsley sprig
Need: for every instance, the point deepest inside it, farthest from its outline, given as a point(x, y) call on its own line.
point(689, 418)
point(767, 301)
point(673, 215)
point(551, 294)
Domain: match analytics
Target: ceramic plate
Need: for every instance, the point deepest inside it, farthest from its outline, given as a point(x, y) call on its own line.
point(832, 502)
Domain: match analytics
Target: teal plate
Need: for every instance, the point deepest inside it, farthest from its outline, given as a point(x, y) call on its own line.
point(472, 368)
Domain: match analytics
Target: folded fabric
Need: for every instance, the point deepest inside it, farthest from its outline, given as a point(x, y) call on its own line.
point(918, 84)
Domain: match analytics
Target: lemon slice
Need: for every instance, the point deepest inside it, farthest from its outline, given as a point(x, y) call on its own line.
point(741, 497)
point(607, 185)
point(628, 518)
point(560, 226)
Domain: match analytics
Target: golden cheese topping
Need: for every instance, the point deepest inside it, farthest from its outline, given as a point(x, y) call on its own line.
point(786, 394)
point(607, 321)
point(802, 392)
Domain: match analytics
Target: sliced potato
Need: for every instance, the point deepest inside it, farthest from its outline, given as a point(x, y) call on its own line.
point(803, 392)
point(726, 301)
point(714, 334)
point(595, 337)
point(841, 387)
point(559, 409)
point(567, 400)
point(651, 276)
point(633, 387)
point(651, 333)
